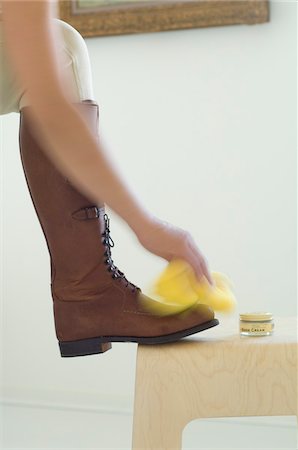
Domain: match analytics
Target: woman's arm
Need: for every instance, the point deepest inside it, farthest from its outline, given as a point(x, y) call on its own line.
point(61, 132)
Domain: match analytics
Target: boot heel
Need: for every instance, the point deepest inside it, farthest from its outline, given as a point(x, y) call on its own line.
point(83, 347)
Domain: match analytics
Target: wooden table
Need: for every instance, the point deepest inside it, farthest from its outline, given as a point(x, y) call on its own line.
point(215, 373)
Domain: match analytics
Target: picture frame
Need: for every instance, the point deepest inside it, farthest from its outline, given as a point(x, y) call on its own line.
point(113, 17)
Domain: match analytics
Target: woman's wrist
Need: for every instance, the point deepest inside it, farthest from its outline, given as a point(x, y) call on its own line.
point(140, 221)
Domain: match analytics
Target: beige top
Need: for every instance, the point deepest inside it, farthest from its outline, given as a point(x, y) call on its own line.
point(10, 91)
point(73, 59)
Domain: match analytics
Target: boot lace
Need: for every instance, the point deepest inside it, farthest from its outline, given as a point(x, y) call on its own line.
point(108, 241)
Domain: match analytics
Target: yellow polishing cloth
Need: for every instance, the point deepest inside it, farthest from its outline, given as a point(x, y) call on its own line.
point(177, 288)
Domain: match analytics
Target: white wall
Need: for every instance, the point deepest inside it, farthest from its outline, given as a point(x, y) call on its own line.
point(202, 124)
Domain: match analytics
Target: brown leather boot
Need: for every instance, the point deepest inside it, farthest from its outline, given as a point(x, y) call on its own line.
point(93, 302)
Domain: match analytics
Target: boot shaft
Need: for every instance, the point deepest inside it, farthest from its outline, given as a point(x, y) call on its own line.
point(72, 225)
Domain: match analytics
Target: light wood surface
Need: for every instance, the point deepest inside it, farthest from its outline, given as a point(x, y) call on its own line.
point(215, 373)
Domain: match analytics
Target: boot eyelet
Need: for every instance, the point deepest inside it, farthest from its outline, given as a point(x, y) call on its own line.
point(108, 242)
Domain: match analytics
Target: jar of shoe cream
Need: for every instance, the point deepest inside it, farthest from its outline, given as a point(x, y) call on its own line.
point(256, 324)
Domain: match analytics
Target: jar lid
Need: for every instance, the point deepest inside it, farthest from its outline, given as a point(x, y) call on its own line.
point(256, 316)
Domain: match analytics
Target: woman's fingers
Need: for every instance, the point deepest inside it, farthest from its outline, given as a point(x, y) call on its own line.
point(199, 264)
point(206, 272)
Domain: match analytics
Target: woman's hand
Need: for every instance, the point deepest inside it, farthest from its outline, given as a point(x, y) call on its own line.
point(169, 242)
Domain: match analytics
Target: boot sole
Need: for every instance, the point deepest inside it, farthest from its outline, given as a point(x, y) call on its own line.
point(101, 344)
